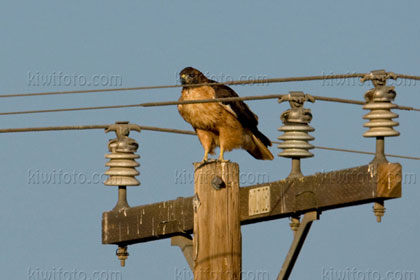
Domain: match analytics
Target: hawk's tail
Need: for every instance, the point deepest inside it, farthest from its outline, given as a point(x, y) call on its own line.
point(258, 149)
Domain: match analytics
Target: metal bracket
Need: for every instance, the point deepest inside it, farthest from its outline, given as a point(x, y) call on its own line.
point(297, 244)
point(184, 242)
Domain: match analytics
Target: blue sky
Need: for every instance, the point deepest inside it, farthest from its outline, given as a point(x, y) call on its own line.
point(58, 225)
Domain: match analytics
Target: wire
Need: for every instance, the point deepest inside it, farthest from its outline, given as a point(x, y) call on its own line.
point(53, 128)
point(357, 151)
point(85, 127)
point(232, 83)
point(140, 105)
point(357, 102)
point(169, 103)
point(68, 109)
point(261, 97)
point(366, 153)
point(85, 91)
point(171, 130)
point(214, 100)
point(408, 77)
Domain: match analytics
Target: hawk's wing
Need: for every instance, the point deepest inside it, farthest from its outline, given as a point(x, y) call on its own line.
point(240, 110)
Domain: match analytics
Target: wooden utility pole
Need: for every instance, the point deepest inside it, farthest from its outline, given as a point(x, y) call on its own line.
point(217, 248)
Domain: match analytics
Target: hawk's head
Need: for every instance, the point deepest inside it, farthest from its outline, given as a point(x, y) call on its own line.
point(191, 75)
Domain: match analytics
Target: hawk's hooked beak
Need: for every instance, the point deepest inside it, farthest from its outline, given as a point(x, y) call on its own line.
point(183, 78)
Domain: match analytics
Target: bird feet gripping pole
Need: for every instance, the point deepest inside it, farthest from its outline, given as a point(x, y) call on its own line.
point(122, 169)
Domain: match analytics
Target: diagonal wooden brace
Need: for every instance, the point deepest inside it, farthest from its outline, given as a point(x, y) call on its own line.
point(184, 242)
point(297, 244)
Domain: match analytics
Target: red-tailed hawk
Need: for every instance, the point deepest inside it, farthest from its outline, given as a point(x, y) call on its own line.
point(228, 125)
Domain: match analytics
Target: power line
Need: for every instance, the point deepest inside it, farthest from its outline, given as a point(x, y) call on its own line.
point(68, 109)
point(53, 128)
point(232, 83)
point(170, 103)
point(408, 77)
point(357, 102)
point(171, 130)
point(87, 127)
point(361, 152)
point(214, 100)
point(261, 97)
point(86, 91)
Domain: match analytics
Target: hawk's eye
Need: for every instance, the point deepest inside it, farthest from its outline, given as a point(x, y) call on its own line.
point(191, 75)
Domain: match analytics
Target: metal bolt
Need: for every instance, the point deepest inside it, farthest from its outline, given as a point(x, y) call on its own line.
point(122, 254)
point(294, 224)
point(379, 210)
point(196, 203)
point(217, 183)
